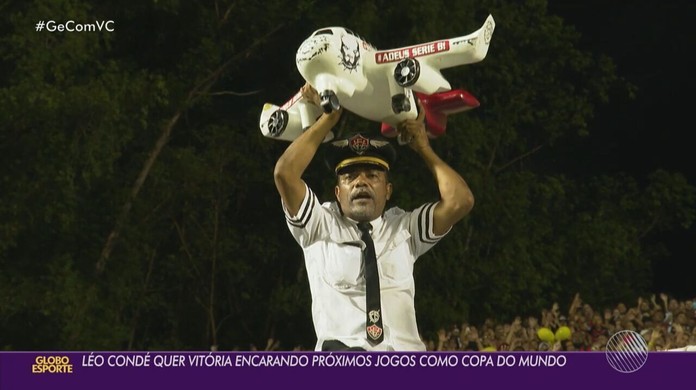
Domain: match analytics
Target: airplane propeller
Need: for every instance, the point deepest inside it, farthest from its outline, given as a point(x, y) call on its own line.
point(407, 72)
point(277, 122)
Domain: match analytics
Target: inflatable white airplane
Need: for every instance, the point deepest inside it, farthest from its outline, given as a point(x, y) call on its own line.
point(379, 85)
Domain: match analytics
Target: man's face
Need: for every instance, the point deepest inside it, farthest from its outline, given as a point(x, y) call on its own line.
point(362, 192)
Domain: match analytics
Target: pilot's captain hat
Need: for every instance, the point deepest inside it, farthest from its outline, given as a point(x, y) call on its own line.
point(359, 149)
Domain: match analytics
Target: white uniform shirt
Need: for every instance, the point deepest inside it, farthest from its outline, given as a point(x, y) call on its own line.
point(333, 258)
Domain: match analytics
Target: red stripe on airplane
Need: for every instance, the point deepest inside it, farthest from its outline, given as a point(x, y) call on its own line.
point(411, 52)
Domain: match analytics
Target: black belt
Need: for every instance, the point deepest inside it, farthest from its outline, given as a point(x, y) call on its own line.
point(335, 345)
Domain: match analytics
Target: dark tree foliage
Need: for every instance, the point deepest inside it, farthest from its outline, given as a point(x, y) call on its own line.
point(137, 205)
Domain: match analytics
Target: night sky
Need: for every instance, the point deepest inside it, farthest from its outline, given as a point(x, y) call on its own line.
point(652, 43)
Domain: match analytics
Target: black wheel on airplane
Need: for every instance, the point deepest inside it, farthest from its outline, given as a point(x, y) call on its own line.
point(329, 101)
point(400, 103)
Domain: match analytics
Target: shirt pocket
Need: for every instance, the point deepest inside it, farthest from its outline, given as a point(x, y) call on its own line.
point(343, 269)
point(396, 263)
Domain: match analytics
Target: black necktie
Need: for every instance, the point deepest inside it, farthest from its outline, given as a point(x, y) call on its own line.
point(373, 323)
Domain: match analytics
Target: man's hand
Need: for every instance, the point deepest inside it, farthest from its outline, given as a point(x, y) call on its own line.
point(310, 94)
point(412, 131)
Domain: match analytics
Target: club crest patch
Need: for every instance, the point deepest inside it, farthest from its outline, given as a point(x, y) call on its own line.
point(374, 332)
point(358, 144)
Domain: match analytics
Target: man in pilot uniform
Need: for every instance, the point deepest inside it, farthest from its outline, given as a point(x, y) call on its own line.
point(360, 257)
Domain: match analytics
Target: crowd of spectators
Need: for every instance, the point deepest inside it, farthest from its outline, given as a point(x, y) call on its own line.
point(665, 325)
point(668, 324)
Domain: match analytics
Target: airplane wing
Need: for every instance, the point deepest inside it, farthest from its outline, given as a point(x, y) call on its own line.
point(288, 121)
point(418, 67)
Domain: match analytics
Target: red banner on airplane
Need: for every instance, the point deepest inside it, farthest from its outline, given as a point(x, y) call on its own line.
point(411, 52)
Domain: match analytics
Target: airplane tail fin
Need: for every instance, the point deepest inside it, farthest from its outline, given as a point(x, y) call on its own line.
point(438, 107)
point(469, 49)
point(483, 42)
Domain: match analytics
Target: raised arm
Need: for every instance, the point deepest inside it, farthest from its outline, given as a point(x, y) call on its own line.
point(456, 199)
point(293, 162)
